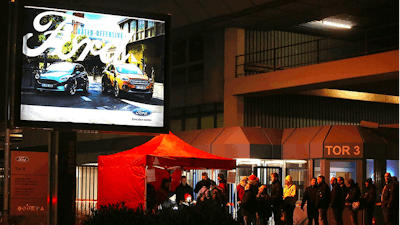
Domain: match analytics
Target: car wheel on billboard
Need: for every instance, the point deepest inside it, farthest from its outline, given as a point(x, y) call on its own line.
point(148, 96)
point(117, 92)
point(104, 87)
point(72, 87)
point(86, 87)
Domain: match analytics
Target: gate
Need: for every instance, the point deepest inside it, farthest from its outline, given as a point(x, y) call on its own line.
point(264, 174)
point(86, 192)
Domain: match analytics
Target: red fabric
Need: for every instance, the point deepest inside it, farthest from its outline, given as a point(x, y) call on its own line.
point(240, 192)
point(224, 188)
point(122, 175)
point(117, 184)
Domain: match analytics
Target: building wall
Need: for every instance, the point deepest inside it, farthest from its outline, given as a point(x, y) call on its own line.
point(207, 90)
point(294, 111)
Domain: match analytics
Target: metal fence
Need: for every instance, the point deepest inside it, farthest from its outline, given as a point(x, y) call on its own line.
point(86, 191)
point(354, 44)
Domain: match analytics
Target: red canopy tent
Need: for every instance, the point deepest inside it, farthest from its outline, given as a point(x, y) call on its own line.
point(122, 176)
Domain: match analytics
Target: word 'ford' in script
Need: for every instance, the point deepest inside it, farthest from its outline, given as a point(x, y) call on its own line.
point(58, 37)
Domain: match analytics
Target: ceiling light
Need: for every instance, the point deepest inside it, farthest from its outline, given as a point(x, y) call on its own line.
point(335, 24)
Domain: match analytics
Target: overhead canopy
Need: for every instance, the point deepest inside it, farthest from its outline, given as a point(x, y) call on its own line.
point(168, 150)
point(237, 142)
point(340, 141)
point(122, 176)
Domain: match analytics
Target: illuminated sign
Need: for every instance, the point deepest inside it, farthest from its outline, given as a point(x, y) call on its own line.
point(29, 175)
point(94, 59)
point(343, 151)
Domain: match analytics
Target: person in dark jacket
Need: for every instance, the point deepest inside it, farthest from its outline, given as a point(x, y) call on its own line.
point(183, 189)
point(150, 198)
point(390, 201)
point(310, 196)
point(249, 203)
point(205, 181)
point(323, 199)
point(336, 202)
point(368, 200)
point(276, 198)
point(162, 194)
point(263, 206)
point(353, 195)
point(343, 189)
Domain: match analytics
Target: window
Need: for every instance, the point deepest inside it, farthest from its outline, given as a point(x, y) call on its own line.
point(392, 167)
point(195, 73)
point(133, 26)
point(191, 124)
point(195, 49)
point(299, 174)
point(178, 77)
point(150, 29)
point(176, 125)
point(141, 25)
point(178, 53)
point(207, 122)
point(150, 24)
point(345, 169)
point(197, 117)
point(370, 168)
point(141, 29)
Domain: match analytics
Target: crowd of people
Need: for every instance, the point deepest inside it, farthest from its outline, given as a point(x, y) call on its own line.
point(206, 189)
point(256, 205)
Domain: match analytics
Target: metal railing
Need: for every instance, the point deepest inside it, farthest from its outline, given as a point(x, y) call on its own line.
point(354, 44)
point(86, 192)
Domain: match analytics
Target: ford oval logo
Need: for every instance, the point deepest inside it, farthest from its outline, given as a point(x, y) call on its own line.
point(141, 112)
point(22, 159)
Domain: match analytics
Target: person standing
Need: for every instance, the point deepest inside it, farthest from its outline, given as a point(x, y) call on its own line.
point(249, 204)
point(183, 189)
point(343, 189)
point(336, 202)
point(323, 198)
point(276, 198)
point(222, 184)
point(368, 200)
point(390, 201)
point(263, 206)
point(205, 181)
point(353, 195)
point(289, 199)
point(239, 194)
point(310, 196)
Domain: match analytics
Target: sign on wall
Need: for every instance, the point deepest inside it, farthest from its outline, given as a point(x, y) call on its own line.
point(343, 150)
point(29, 183)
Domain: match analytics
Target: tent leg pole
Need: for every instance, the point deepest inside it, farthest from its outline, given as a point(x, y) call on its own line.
point(145, 189)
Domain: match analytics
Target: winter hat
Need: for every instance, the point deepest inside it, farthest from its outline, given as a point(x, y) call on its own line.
point(252, 177)
point(204, 174)
point(369, 180)
point(289, 178)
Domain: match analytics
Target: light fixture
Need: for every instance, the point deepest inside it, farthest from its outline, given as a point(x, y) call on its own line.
point(248, 161)
point(335, 24)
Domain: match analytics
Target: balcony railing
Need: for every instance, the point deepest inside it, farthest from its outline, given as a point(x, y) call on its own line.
point(354, 44)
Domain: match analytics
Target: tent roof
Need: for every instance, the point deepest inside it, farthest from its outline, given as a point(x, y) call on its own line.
point(167, 150)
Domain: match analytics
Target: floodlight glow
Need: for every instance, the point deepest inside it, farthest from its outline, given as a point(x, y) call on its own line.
point(334, 24)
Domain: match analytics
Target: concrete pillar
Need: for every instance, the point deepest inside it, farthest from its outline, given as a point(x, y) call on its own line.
point(233, 105)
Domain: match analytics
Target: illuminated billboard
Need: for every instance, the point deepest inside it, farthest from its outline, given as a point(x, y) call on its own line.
point(86, 69)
